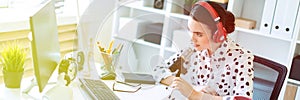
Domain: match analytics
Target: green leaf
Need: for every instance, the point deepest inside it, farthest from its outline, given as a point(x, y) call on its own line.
point(13, 57)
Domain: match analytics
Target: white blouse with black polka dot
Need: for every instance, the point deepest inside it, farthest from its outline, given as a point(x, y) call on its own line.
point(229, 71)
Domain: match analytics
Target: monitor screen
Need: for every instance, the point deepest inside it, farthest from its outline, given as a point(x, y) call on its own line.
point(44, 44)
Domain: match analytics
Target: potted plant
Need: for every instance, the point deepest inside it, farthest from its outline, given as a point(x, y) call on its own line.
point(188, 5)
point(12, 58)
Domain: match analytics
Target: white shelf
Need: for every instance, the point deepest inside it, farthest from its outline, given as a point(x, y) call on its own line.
point(294, 81)
point(181, 16)
point(298, 41)
point(256, 32)
point(138, 41)
point(142, 42)
point(139, 5)
point(170, 49)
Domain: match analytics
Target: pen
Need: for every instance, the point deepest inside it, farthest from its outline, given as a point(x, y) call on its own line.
point(110, 46)
point(175, 72)
point(120, 48)
point(115, 51)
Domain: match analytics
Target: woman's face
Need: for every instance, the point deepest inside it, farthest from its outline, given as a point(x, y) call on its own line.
point(201, 34)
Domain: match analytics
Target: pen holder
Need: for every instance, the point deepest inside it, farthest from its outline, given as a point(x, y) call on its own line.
point(109, 66)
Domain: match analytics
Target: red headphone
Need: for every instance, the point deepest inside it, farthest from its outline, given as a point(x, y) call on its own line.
point(220, 34)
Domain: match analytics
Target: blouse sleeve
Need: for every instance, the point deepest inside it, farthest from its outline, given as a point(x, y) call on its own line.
point(162, 70)
point(244, 76)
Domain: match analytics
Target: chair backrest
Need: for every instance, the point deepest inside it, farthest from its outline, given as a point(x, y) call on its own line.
point(269, 77)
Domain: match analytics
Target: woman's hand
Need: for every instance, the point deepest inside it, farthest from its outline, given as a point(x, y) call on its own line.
point(167, 81)
point(184, 87)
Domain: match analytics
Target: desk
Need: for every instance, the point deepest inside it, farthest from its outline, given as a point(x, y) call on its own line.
point(148, 92)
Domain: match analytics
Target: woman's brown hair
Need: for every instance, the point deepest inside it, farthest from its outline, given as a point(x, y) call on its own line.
point(226, 17)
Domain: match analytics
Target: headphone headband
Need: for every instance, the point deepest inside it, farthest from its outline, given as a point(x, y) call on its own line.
point(211, 10)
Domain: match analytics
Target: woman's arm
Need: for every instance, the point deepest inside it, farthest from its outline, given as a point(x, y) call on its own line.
point(162, 72)
point(203, 96)
point(187, 90)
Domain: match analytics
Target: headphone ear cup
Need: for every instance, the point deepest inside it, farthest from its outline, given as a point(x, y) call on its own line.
point(217, 36)
point(223, 34)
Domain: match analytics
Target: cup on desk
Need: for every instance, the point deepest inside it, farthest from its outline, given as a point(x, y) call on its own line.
point(109, 65)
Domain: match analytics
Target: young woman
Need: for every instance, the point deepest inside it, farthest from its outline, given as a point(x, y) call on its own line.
point(218, 68)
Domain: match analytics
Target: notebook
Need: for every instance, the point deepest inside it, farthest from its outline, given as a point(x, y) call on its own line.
point(138, 78)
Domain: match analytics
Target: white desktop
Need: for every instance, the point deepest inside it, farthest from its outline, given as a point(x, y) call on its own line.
point(75, 91)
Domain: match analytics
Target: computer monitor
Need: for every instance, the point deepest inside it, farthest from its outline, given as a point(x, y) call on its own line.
point(44, 44)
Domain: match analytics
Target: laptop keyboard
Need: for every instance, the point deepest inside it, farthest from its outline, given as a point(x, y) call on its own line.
point(98, 90)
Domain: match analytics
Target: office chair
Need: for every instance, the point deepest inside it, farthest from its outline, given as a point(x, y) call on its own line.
point(268, 78)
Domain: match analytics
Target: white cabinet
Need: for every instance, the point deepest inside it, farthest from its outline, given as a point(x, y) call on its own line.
point(269, 12)
point(271, 46)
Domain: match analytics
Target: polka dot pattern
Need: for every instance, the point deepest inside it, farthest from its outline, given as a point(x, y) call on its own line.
point(229, 71)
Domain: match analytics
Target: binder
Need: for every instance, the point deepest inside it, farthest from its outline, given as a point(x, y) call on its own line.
point(290, 92)
point(285, 18)
point(267, 16)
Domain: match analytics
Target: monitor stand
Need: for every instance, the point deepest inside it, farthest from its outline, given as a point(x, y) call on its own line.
point(33, 84)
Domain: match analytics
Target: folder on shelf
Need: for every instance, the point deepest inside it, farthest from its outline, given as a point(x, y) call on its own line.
point(285, 18)
point(290, 92)
point(245, 23)
point(267, 16)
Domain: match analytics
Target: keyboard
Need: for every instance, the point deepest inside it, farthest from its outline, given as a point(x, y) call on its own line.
point(98, 90)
